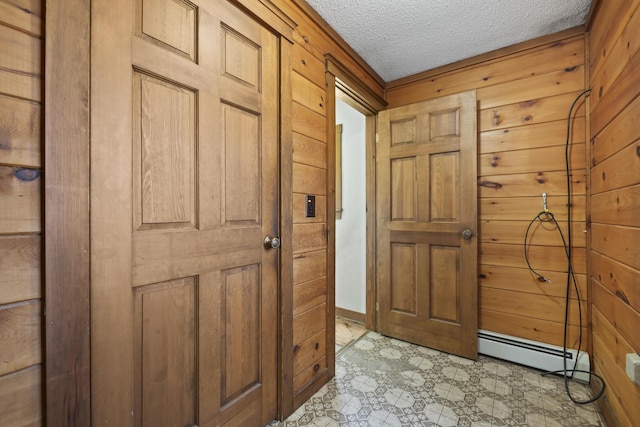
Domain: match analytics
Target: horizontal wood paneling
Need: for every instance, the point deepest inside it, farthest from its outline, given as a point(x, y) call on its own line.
point(309, 179)
point(309, 237)
point(307, 295)
point(535, 306)
point(522, 280)
point(25, 15)
point(310, 351)
point(21, 398)
point(549, 258)
point(526, 184)
point(309, 151)
point(530, 111)
point(20, 336)
point(540, 233)
point(309, 265)
point(610, 361)
point(20, 190)
point(20, 266)
point(615, 200)
point(19, 132)
point(20, 64)
point(309, 323)
point(524, 95)
point(21, 181)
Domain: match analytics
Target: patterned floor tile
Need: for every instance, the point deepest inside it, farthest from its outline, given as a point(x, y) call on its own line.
point(386, 382)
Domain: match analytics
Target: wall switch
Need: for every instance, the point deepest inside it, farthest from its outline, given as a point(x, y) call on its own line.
point(311, 206)
point(633, 367)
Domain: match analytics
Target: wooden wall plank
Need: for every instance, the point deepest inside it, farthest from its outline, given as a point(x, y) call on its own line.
point(620, 279)
point(20, 132)
point(530, 111)
point(615, 191)
point(66, 201)
point(309, 237)
point(549, 258)
point(309, 180)
point(543, 85)
point(309, 323)
point(307, 295)
point(538, 60)
point(20, 265)
point(611, 352)
point(605, 30)
point(620, 170)
point(310, 351)
point(617, 135)
point(617, 55)
point(526, 208)
point(534, 160)
point(21, 398)
point(308, 65)
point(25, 15)
point(309, 151)
point(544, 234)
point(536, 306)
point(20, 195)
point(544, 134)
point(309, 123)
point(20, 64)
point(617, 207)
point(522, 280)
point(20, 336)
point(530, 184)
point(309, 265)
point(308, 94)
point(618, 96)
point(617, 242)
point(520, 326)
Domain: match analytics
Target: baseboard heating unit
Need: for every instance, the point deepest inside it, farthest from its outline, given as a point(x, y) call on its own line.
point(531, 353)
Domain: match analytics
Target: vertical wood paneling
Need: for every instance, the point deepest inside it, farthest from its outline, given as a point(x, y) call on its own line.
point(524, 98)
point(615, 178)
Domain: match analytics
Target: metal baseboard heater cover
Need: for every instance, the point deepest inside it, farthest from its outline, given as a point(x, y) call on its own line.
point(534, 354)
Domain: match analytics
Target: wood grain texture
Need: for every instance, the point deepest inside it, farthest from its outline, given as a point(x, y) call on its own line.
point(25, 15)
point(21, 401)
point(531, 184)
point(66, 201)
point(20, 64)
point(614, 178)
point(20, 193)
point(20, 336)
point(522, 280)
point(21, 268)
point(20, 132)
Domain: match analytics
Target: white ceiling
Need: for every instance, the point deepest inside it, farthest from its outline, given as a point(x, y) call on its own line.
point(398, 38)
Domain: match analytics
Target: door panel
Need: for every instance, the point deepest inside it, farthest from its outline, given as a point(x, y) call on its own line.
point(184, 189)
point(426, 191)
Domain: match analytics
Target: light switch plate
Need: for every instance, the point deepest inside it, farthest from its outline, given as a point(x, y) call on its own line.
point(633, 367)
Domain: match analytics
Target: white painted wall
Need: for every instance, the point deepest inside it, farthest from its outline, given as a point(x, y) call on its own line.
point(351, 228)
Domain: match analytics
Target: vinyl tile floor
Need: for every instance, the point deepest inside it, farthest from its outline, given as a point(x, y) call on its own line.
point(386, 382)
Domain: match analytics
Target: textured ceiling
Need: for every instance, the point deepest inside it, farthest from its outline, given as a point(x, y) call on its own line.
point(398, 38)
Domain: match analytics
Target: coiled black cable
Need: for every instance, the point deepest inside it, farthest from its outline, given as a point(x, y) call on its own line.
point(546, 216)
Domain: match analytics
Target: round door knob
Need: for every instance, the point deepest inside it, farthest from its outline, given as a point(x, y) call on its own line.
point(271, 242)
point(467, 234)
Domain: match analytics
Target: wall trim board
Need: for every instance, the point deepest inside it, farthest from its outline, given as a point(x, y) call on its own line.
point(351, 315)
point(66, 213)
point(485, 57)
point(593, 10)
point(307, 10)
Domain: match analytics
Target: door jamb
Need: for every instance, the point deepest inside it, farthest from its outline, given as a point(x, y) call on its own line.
point(342, 83)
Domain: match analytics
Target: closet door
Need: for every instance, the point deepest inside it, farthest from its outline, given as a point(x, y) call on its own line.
point(426, 220)
point(184, 190)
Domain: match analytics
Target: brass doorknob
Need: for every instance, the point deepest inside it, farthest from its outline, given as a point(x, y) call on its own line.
point(271, 242)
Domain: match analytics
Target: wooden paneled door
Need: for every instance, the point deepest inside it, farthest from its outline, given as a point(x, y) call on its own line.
point(426, 219)
point(184, 189)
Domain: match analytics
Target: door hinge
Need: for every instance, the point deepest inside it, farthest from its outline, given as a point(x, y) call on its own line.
point(377, 137)
point(377, 306)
